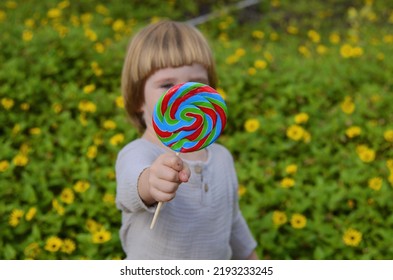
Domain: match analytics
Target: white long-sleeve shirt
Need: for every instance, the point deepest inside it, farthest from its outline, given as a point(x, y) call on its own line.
point(203, 221)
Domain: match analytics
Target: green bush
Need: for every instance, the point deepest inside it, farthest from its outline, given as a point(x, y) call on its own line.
point(309, 93)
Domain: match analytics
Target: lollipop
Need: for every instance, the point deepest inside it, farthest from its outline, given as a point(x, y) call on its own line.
point(188, 118)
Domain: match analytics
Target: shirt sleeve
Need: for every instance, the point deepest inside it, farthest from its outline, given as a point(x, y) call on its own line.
point(130, 163)
point(242, 242)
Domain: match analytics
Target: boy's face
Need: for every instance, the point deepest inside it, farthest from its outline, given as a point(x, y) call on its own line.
point(162, 80)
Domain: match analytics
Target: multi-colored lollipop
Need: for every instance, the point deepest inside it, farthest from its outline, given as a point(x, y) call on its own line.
point(188, 118)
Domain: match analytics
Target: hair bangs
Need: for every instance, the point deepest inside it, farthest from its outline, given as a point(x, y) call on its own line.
point(173, 47)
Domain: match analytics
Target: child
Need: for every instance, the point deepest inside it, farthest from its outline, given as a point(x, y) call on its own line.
point(201, 219)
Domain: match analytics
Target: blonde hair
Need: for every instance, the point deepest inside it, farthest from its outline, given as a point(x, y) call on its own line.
point(161, 45)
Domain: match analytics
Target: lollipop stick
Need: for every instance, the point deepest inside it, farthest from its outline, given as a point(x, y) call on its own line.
point(158, 209)
point(153, 222)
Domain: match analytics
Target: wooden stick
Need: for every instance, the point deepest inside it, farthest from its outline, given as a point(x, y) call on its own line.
point(153, 222)
point(158, 209)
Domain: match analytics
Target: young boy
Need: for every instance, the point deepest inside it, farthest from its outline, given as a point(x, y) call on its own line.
point(201, 219)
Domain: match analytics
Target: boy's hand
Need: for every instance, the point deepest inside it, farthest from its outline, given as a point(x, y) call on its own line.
point(165, 175)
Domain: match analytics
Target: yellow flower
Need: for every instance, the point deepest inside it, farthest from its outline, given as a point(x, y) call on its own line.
point(314, 36)
point(251, 71)
point(241, 190)
point(365, 153)
point(15, 216)
point(96, 69)
point(109, 124)
point(119, 102)
point(118, 25)
point(91, 35)
point(86, 18)
point(53, 244)
point(68, 246)
point(89, 88)
point(67, 195)
point(321, 49)
point(97, 140)
point(83, 119)
point(63, 4)
point(25, 106)
point(353, 131)
point(32, 250)
point(3, 16)
point(287, 182)
point(27, 35)
point(7, 103)
point(298, 221)
point(388, 39)
point(388, 135)
point(279, 218)
point(268, 56)
point(81, 186)
point(111, 175)
point(117, 139)
point(35, 131)
point(274, 36)
point(389, 164)
point(100, 48)
point(251, 125)
point(260, 64)
point(223, 37)
point(31, 213)
point(303, 50)
point(87, 106)
point(57, 108)
point(390, 179)
point(275, 3)
point(20, 160)
point(375, 183)
point(292, 30)
point(93, 226)
point(352, 237)
point(108, 198)
point(222, 92)
point(257, 34)
point(357, 51)
point(59, 208)
point(306, 137)
point(54, 13)
point(101, 236)
point(347, 106)
point(4, 164)
point(301, 118)
point(291, 169)
point(346, 51)
point(101, 9)
point(295, 132)
point(240, 52)
point(232, 59)
point(91, 152)
point(11, 4)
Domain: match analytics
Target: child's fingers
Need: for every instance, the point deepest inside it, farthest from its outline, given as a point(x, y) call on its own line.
point(165, 192)
point(185, 173)
point(167, 174)
point(173, 161)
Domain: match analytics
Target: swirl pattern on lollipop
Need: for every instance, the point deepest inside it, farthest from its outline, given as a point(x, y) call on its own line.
point(189, 117)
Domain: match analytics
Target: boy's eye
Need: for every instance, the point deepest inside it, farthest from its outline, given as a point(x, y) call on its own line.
point(167, 86)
